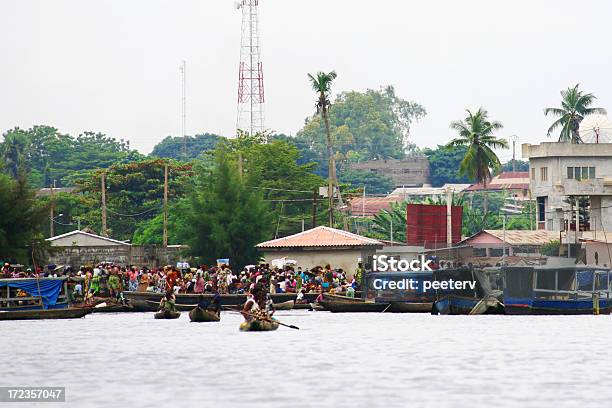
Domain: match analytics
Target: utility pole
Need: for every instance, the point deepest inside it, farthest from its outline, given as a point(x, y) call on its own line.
point(514, 139)
point(314, 208)
point(104, 233)
point(165, 237)
point(449, 217)
point(183, 69)
point(51, 221)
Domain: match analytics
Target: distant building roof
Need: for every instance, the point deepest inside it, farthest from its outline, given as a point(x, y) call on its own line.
point(513, 237)
point(43, 192)
point(505, 181)
point(428, 191)
point(86, 238)
point(370, 206)
point(321, 237)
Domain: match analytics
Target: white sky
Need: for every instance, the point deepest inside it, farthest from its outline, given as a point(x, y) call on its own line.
point(112, 66)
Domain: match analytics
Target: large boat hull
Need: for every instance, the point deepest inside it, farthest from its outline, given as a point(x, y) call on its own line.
point(66, 313)
point(556, 307)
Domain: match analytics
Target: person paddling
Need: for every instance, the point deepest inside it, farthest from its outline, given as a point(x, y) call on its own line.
point(255, 304)
point(168, 303)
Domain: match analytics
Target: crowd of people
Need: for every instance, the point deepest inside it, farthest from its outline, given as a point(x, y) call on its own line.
point(110, 280)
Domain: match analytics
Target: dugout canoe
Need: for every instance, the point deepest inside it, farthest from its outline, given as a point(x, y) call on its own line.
point(167, 314)
point(288, 305)
point(200, 315)
point(258, 326)
point(302, 306)
point(67, 313)
point(179, 307)
point(355, 307)
point(339, 298)
point(410, 307)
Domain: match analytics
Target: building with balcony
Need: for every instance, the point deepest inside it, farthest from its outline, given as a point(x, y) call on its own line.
point(571, 182)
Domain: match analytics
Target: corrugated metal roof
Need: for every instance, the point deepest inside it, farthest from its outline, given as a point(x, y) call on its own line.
point(372, 205)
point(518, 180)
point(520, 237)
point(321, 237)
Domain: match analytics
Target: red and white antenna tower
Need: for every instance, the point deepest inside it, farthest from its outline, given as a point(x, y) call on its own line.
point(250, 74)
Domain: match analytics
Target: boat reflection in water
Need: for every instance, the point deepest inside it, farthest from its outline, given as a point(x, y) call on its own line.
point(405, 299)
point(554, 290)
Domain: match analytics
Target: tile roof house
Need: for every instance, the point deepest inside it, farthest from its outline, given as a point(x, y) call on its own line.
point(320, 246)
point(370, 206)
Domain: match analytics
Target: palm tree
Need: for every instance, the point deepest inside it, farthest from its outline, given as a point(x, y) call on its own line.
point(476, 133)
point(574, 107)
point(321, 84)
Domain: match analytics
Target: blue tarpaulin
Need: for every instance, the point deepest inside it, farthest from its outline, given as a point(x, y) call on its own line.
point(49, 289)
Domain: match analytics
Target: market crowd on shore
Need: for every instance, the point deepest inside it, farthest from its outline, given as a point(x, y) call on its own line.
point(109, 279)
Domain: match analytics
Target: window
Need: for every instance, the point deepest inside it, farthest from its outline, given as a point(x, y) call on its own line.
point(533, 173)
point(581, 173)
point(541, 209)
point(544, 173)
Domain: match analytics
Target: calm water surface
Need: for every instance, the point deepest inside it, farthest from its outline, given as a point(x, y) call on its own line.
point(356, 360)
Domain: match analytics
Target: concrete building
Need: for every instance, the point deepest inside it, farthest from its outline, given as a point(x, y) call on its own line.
point(321, 246)
point(78, 248)
point(409, 172)
point(563, 171)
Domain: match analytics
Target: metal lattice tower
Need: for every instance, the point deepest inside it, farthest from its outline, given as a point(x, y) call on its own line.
point(250, 74)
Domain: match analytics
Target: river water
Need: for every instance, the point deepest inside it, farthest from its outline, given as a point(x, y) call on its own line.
point(356, 360)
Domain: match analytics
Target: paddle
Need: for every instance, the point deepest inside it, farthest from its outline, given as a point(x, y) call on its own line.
point(259, 318)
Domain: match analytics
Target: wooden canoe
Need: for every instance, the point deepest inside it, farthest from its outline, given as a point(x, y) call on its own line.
point(355, 307)
point(302, 306)
point(68, 313)
point(258, 325)
point(199, 315)
point(288, 305)
point(167, 314)
point(338, 298)
point(410, 307)
point(179, 307)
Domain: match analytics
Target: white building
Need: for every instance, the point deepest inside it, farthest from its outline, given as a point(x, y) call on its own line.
point(560, 171)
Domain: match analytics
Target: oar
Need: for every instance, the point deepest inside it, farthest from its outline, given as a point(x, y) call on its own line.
point(259, 318)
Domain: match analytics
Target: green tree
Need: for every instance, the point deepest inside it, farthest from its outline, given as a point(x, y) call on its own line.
point(226, 218)
point(21, 219)
point(521, 165)
point(321, 84)
point(15, 153)
point(476, 133)
point(444, 163)
point(575, 105)
point(373, 182)
point(172, 147)
point(364, 125)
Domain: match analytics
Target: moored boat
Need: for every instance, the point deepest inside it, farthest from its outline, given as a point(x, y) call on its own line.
point(476, 297)
point(167, 314)
point(410, 307)
point(259, 325)
point(557, 290)
point(197, 314)
point(302, 306)
point(339, 298)
point(288, 305)
point(66, 313)
point(355, 307)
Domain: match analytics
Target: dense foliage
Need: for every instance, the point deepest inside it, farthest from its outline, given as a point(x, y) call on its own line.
point(186, 148)
point(444, 165)
point(49, 156)
point(21, 220)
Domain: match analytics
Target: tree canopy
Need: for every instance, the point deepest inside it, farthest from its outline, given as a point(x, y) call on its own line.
point(172, 147)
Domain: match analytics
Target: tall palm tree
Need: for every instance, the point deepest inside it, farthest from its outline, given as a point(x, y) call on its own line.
point(321, 84)
point(575, 105)
point(476, 133)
